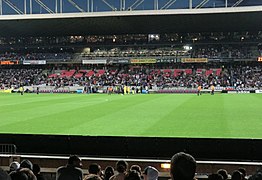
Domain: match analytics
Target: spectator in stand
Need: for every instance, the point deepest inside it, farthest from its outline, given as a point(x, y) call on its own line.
point(94, 169)
point(109, 172)
point(150, 173)
point(72, 171)
point(133, 175)
point(215, 177)
point(14, 166)
point(224, 173)
point(243, 171)
point(23, 174)
point(26, 164)
point(237, 175)
point(18, 176)
point(136, 168)
point(183, 167)
point(36, 171)
point(256, 176)
point(121, 167)
point(4, 175)
point(93, 177)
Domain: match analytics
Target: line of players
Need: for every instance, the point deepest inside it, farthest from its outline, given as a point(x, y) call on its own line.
point(199, 90)
point(126, 90)
point(21, 90)
point(129, 90)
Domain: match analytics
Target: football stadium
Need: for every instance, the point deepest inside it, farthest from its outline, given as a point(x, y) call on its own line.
point(88, 87)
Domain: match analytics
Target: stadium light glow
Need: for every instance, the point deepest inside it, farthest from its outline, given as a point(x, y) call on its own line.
point(187, 48)
point(165, 165)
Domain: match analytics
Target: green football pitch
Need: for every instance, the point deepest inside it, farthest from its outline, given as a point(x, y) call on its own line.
point(141, 115)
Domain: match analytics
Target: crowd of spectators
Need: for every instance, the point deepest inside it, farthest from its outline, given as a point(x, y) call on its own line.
point(13, 56)
point(246, 76)
point(17, 77)
point(150, 76)
point(134, 39)
point(183, 166)
point(237, 76)
point(210, 51)
point(226, 52)
point(213, 51)
point(137, 52)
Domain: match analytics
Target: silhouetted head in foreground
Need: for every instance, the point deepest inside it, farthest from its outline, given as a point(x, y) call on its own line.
point(183, 167)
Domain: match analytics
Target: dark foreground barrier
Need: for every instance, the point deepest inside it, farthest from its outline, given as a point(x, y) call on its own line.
point(136, 147)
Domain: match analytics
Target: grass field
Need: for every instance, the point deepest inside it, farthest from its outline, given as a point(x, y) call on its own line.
point(154, 115)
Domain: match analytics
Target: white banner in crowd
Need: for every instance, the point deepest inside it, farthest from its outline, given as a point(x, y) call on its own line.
point(94, 61)
point(258, 91)
point(33, 62)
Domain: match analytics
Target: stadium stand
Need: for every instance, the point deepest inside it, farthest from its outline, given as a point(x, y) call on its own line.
point(155, 77)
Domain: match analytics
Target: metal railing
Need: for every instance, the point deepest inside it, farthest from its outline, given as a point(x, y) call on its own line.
point(7, 149)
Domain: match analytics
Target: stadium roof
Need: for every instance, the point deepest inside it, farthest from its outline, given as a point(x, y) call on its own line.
point(133, 22)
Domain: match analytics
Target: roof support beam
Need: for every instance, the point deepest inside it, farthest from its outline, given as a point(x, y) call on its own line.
point(12, 6)
point(135, 4)
point(122, 5)
point(44, 6)
point(1, 7)
point(31, 7)
point(75, 5)
point(138, 4)
point(190, 4)
point(237, 3)
point(156, 5)
point(56, 6)
point(203, 3)
point(87, 6)
point(92, 5)
point(24, 6)
point(109, 5)
point(168, 4)
point(61, 6)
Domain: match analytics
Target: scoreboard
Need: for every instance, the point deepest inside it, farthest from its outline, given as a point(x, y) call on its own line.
point(9, 62)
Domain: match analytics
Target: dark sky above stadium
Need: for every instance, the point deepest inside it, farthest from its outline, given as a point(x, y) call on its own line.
point(99, 5)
